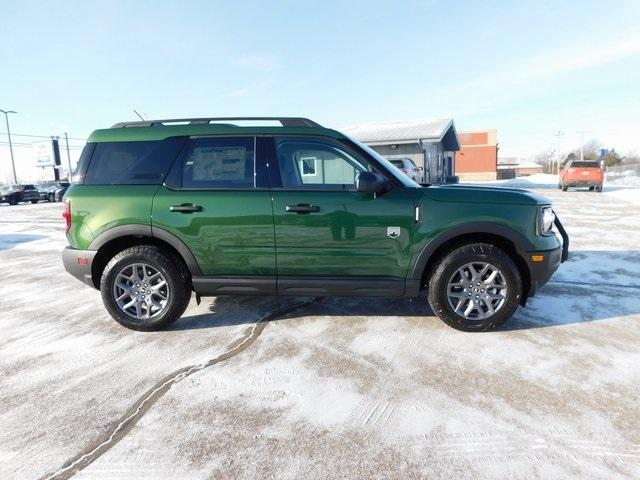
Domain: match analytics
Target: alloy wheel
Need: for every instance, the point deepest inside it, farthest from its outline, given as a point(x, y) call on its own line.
point(477, 290)
point(141, 291)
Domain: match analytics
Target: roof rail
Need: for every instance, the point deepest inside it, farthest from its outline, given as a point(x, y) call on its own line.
point(284, 121)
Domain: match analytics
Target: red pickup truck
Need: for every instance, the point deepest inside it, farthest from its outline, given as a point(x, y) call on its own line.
point(582, 173)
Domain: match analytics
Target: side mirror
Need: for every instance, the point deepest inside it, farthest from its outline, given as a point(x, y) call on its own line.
point(371, 182)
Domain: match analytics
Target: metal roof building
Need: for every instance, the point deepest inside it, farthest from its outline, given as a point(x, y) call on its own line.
point(431, 144)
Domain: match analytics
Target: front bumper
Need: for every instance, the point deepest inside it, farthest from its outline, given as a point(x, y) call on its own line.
point(543, 264)
point(78, 263)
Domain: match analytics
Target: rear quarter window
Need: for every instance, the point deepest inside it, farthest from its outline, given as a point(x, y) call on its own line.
point(129, 163)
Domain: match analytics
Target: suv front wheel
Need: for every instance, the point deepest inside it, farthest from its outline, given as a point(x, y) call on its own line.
point(145, 288)
point(475, 287)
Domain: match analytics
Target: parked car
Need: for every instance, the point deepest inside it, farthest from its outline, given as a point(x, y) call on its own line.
point(175, 206)
point(46, 189)
point(58, 192)
point(408, 167)
point(582, 173)
point(43, 190)
point(30, 193)
point(14, 194)
point(11, 194)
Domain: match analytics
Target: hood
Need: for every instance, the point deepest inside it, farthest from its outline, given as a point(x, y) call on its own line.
point(480, 194)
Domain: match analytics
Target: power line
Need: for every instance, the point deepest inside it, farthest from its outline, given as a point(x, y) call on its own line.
point(39, 136)
point(22, 144)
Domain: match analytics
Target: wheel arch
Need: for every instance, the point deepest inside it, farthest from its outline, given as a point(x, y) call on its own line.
point(510, 241)
point(116, 239)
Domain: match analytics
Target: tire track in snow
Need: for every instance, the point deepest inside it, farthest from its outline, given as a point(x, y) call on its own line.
point(124, 424)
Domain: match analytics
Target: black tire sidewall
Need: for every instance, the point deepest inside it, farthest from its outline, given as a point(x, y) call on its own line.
point(170, 267)
point(438, 284)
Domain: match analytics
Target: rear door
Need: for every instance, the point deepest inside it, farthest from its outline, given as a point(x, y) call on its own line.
point(216, 200)
point(326, 231)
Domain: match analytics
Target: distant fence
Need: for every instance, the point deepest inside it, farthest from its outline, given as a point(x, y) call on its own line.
point(624, 175)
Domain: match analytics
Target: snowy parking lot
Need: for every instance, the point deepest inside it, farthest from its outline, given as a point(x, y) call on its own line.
point(325, 388)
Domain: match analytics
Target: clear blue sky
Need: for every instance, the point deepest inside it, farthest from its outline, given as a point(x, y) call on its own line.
point(525, 68)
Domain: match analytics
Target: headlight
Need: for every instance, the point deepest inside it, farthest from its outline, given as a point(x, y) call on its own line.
point(546, 219)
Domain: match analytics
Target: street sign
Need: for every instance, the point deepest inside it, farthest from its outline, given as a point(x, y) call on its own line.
point(43, 153)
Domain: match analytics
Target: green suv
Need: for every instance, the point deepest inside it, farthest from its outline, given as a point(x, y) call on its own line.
point(283, 206)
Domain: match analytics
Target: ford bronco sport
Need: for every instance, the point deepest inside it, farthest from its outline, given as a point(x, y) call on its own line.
point(159, 209)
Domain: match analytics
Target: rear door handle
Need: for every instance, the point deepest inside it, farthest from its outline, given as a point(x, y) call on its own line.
point(302, 208)
point(185, 208)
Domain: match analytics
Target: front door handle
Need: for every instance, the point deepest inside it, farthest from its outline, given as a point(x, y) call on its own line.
point(185, 208)
point(302, 208)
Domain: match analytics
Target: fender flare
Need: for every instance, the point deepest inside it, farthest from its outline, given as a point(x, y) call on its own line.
point(521, 242)
point(148, 231)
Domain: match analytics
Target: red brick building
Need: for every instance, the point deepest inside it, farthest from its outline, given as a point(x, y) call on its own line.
point(478, 155)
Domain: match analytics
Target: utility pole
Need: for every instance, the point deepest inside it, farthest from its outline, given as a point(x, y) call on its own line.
point(13, 163)
point(66, 140)
point(581, 132)
point(56, 158)
point(559, 134)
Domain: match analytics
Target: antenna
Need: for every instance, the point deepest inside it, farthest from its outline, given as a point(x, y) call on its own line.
point(140, 116)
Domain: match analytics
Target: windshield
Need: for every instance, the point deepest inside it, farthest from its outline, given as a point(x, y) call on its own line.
point(397, 174)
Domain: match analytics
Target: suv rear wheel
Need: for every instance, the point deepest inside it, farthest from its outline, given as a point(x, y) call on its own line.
point(145, 288)
point(475, 287)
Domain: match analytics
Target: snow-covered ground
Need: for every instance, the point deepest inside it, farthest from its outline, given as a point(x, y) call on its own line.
point(336, 388)
point(628, 189)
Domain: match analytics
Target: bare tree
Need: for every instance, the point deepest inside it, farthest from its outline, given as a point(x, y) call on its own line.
point(545, 159)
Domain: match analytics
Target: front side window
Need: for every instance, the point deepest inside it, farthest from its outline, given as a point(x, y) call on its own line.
point(219, 163)
point(316, 164)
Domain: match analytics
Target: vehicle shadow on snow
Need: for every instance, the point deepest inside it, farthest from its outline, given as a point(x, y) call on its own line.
point(10, 240)
point(590, 286)
point(231, 311)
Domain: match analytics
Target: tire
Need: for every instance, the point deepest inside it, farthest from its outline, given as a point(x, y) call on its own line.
point(564, 188)
point(598, 188)
point(591, 189)
point(175, 273)
point(446, 271)
point(34, 201)
point(559, 186)
point(50, 198)
point(13, 201)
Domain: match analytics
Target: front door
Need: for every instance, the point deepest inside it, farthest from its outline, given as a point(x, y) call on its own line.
point(216, 200)
point(326, 230)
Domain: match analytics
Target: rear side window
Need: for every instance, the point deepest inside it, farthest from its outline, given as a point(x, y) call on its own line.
point(221, 162)
point(131, 163)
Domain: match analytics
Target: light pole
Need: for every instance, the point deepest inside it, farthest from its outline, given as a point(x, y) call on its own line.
point(13, 164)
